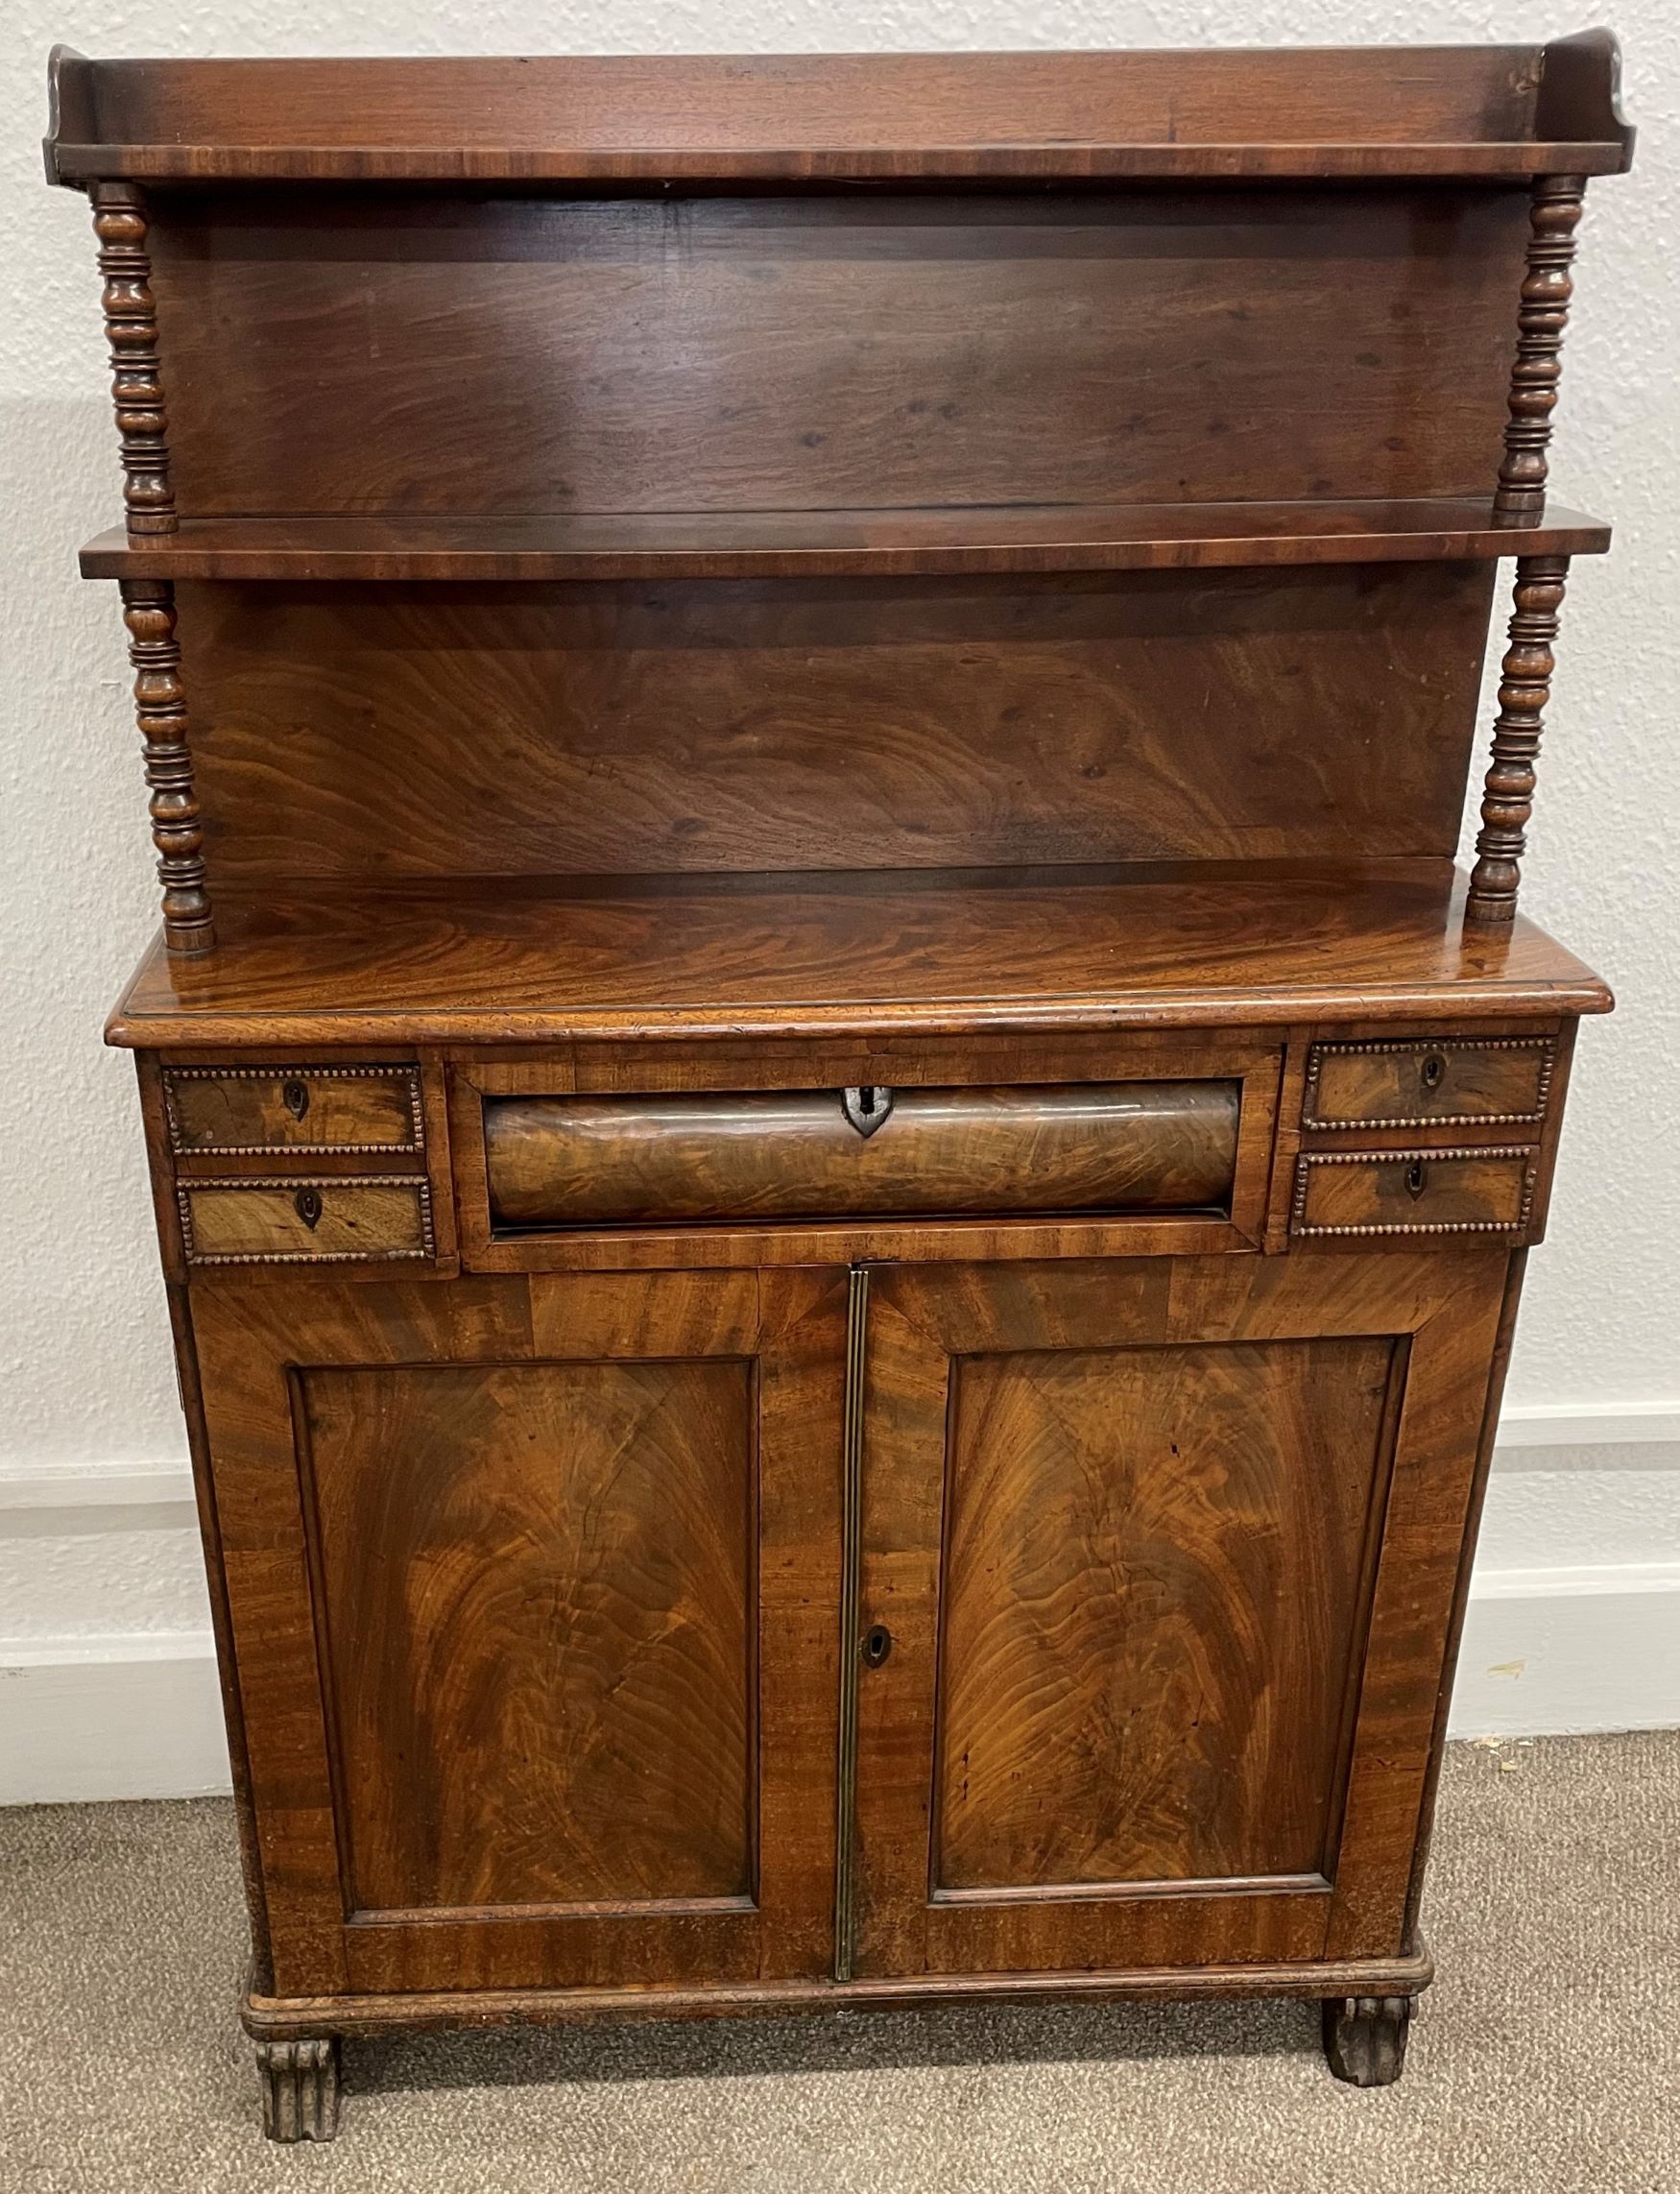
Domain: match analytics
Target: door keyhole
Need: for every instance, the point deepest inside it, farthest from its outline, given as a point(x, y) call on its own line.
point(877, 1644)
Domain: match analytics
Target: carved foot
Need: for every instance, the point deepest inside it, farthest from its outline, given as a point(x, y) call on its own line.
point(1364, 2037)
point(300, 2088)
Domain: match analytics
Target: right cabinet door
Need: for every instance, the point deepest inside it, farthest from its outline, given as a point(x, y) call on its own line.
point(1157, 1560)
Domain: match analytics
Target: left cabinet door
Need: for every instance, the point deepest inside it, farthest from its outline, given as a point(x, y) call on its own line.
point(534, 1588)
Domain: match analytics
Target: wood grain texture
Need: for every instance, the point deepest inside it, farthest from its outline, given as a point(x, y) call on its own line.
point(1150, 1608)
point(439, 2012)
point(536, 1609)
point(303, 1220)
point(1487, 1081)
point(895, 544)
point(673, 638)
point(1419, 1192)
point(366, 735)
point(525, 356)
point(1430, 111)
point(614, 1161)
point(859, 954)
point(1440, 1313)
point(468, 1372)
point(300, 1107)
point(691, 1070)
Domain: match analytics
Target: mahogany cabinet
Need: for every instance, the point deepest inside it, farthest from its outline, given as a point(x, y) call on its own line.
point(842, 1171)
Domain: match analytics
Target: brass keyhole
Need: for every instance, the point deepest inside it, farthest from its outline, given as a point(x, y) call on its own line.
point(1415, 1178)
point(877, 1644)
point(1433, 1067)
point(307, 1205)
point(295, 1097)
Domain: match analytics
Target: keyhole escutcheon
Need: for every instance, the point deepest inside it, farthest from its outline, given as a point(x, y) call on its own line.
point(307, 1205)
point(877, 1644)
point(1432, 1071)
point(1416, 1179)
point(295, 1097)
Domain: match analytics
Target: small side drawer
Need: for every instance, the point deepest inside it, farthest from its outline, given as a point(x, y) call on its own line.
point(248, 1109)
point(305, 1222)
point(1413, 1192)
point(1491, 1081)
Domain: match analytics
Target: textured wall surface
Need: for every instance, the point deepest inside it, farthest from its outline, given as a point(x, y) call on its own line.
point(82, 1326)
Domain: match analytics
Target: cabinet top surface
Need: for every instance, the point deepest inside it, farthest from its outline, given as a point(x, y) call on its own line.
point(1166, 945)
point(1495, 112)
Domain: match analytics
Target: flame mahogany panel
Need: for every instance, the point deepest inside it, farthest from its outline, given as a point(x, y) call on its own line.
point(1150, 1608)
point(537, 1585)
point(369, 731)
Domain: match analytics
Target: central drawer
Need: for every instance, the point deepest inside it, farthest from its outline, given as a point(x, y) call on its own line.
point(624, 1160)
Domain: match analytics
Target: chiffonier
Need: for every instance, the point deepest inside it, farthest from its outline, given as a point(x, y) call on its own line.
point(842, 1171)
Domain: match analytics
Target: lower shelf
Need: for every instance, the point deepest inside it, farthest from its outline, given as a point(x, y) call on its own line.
point(912, 952)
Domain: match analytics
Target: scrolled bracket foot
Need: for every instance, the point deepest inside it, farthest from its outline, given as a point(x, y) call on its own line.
point(1364, 2037)
point(300, 2088)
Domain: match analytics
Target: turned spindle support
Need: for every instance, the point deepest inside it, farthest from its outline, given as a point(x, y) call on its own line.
point(160, 709)
point(1543, 312)
point(1525, 688)
point(131, 325)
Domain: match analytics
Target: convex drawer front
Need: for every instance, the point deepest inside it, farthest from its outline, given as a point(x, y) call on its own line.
point(305, 1221)
point(1496, 1080)
point(557, 1162)
point(1415, 1192)
point(293, 1108)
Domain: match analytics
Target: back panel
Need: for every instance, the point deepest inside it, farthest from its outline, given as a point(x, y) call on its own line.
point(381, 730)
point(416, 352)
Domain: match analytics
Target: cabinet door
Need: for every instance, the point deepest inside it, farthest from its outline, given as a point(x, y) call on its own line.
point(1160, 1554)
point(534, 1597)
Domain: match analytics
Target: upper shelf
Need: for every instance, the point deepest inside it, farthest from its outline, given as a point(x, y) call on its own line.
point(820, 544)
point(1498, 113)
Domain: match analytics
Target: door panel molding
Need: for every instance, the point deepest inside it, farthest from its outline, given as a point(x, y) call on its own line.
point(1416, 1405)
point(786, 1330)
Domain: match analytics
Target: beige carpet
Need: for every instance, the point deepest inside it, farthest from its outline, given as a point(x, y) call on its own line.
point(1546, 2058)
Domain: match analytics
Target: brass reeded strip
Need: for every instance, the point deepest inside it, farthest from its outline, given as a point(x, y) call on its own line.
point(851, 1594)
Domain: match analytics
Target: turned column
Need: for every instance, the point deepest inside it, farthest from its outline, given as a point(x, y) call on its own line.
point(1543, 311)
point(131, 325)
point(1525, 688)
point(161, 709)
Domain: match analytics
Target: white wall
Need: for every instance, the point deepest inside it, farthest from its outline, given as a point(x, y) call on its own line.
point(88, 1387)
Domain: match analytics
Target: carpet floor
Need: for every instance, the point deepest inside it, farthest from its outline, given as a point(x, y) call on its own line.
point(1544, 2060)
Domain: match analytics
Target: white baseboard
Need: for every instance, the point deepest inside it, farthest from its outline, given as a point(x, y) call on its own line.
point(1559, 1652)
point(1589, 1424)
point(110, 1717)
point(95, 1709)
